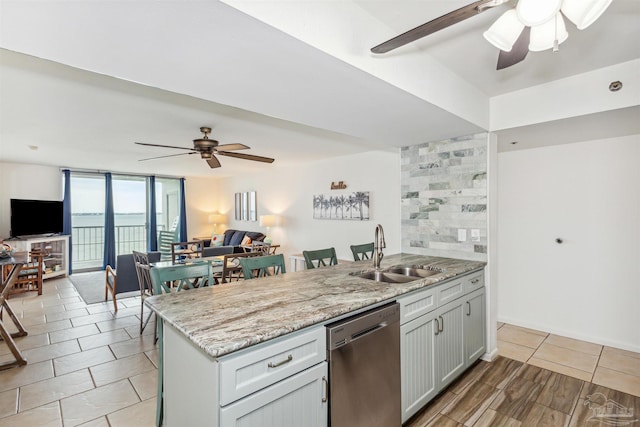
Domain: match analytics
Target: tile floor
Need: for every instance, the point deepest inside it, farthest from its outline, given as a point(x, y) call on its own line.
point(89, 366)
point(606, 366)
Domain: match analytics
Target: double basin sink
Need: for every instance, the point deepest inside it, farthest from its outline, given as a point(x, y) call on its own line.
point(402, 274)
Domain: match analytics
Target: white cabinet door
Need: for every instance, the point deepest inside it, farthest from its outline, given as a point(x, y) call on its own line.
point(417, 349)
point(300, 400)
point(450, 342)
point(474, 326)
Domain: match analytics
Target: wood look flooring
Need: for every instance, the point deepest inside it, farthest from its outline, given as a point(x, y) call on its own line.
point(509, 393)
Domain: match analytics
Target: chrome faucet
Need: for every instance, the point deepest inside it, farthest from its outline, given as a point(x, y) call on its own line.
point(378, 245)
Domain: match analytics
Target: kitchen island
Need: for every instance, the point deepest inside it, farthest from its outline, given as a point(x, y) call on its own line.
point(216, 338)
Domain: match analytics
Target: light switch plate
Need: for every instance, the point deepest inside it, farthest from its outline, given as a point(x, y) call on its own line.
point(475, 235)
point(462, 235)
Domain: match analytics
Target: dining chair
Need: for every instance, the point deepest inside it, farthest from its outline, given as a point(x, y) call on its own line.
point(322, 257)
point(185, 275)
point(191, 249)
point(141, 261)
point(364, 251)
point(30, 276)
point(263, 247)
point(262, 266)
point(231, 268)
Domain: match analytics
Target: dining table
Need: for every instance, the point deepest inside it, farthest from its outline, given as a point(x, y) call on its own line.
point(9, 270)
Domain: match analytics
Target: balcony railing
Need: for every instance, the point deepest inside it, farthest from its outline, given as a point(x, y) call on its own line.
point(88, 243)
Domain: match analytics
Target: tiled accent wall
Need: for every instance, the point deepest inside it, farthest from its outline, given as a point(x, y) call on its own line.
point(444, 188)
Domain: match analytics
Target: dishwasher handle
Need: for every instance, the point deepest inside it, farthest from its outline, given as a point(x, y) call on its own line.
point(368, 331)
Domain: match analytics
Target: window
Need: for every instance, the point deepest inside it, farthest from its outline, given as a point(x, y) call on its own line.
point(131, 207)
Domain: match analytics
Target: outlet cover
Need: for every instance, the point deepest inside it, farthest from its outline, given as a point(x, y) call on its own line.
point(475, 235)
point(462, 235)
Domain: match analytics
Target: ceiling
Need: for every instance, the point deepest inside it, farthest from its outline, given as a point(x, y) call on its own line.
point(82, 81)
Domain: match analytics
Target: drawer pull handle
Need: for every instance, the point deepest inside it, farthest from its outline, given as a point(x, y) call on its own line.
point(474, 281)
point(325, 389)
point(275, 365)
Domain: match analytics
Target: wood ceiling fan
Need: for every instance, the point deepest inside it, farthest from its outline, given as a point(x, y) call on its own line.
point(209, 148)
point(505, 59)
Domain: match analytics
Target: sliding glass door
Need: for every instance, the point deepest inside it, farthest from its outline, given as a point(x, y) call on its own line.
point(87, 220)
point(131, 208)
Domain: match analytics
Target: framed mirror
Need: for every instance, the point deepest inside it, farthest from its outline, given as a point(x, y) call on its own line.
point(245, 206)
point(238, 206)
point(252, 206)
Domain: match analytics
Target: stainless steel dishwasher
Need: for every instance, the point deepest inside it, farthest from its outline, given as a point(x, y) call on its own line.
point(364, 369)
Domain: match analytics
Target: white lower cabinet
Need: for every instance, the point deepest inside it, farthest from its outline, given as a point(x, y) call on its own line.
point(474, 326)
point(439, 345)
point(418, 363)
point(450, 357)
point(300, 400)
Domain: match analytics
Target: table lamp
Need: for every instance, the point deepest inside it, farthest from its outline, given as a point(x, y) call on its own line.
point(268, 221)
point(216, 219)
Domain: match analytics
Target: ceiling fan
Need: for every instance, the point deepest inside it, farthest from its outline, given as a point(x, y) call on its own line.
point(209, 148)
point(533, 25)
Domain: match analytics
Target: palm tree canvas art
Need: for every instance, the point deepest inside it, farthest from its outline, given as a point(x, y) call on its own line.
point(354, 206)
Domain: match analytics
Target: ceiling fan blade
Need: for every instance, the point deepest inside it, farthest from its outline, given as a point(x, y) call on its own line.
point(518, 51)
point(213, 162)
point(437, 24)
point(231, 147)
point(162, 157)
point(163, 146)
point(246, 156)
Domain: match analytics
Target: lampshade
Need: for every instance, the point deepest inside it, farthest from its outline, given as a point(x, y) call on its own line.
point(544, 35)
point(505, 31)
point(536, 12)
point(217, 219)
point(268, 220)
point(584, 12)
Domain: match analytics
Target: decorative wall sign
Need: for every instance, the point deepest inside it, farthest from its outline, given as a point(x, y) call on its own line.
point(246, 206)
point(354, 206)
point(339, 186)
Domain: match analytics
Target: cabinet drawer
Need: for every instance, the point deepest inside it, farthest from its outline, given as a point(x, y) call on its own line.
point(474, 281)
point(416, 304)
point(450, 291)
point(255, 369)
point(300, 400)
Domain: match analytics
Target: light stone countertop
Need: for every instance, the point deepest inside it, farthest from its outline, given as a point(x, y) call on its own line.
point(232, 316)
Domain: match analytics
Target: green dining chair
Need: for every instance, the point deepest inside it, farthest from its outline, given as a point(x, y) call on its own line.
point(323, 257)
point(364, 251)
point(183, 276)
point(262, 266)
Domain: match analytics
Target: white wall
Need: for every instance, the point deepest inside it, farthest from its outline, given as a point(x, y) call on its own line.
point(587, 194)
point(22, 181)
point(289, 192)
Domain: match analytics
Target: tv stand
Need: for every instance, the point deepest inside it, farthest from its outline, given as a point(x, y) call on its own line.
point(55, 249)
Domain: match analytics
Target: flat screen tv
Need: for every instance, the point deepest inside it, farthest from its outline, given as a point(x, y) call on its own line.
point(33, 217)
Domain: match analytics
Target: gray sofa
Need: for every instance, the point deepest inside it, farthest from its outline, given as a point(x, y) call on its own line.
point(231, 242)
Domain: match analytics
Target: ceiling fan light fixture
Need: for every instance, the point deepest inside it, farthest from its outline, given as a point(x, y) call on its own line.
point(505, 31)
point(544, 36)
point(584, 12)
point(535, 12)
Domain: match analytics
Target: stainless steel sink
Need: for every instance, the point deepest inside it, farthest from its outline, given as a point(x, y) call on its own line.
point(388, 277)
point(414, 271)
